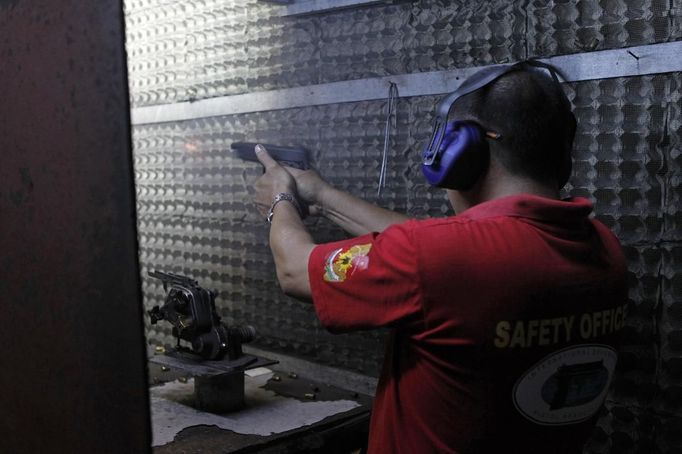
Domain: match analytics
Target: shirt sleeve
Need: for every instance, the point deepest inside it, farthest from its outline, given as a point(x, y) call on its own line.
point(366, 282)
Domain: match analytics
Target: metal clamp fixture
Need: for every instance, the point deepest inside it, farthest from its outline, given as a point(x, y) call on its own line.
point(218, 382)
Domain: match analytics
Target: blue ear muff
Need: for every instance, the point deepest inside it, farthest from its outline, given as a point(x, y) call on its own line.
point(457, 154)
point(461, 158)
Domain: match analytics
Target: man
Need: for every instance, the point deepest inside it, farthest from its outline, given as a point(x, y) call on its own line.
point(505, 316)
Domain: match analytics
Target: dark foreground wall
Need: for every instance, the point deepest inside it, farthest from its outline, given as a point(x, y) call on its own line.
point(72, 373)
point(194, 209)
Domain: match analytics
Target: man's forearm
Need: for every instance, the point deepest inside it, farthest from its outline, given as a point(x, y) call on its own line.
point(291, 246)
point(355, 215)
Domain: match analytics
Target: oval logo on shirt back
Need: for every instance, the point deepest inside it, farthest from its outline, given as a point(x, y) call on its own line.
point(567, 386)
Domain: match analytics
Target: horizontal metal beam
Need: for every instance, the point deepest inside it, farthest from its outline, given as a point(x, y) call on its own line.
point(301, 7)
point(625, 62)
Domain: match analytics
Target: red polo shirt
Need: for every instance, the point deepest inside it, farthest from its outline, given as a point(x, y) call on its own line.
point(505, 322)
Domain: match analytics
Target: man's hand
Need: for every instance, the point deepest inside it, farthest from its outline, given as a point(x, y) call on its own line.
point(309, 185)
point(352, 214)
point(275, 180)
point(290, 242)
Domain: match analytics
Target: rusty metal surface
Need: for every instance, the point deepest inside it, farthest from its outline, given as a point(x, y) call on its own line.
point(73, 374)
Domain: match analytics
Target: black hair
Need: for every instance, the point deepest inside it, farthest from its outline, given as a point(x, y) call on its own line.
point(531, 113)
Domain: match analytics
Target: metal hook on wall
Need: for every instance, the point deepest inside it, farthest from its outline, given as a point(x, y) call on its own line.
point(391, 120)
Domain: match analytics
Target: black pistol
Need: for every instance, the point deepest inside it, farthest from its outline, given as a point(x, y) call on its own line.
point(288, 156)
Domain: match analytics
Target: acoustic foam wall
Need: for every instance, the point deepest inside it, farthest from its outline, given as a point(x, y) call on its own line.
point(198, 49)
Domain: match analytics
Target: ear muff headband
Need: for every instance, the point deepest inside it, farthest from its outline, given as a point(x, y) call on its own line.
point(435, 169)
point(566, 164)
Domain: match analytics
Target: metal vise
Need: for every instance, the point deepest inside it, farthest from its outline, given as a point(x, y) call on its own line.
point(218, 381)
point(191, 310)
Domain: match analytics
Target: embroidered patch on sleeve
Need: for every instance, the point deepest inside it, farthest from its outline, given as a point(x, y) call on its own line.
point(339, 263)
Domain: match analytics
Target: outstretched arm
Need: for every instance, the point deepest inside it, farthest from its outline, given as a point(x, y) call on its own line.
point(290, 242)
point(351, 213)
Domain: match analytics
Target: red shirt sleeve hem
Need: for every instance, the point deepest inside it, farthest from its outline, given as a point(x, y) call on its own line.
point(315, 268)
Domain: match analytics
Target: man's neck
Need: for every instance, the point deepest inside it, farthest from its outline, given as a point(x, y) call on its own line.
point(495, 188)
point(513, 186)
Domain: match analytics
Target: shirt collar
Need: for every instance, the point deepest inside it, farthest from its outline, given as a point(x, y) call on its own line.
point(533, 207)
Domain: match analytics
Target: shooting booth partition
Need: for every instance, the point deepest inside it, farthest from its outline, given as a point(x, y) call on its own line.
point(73, 359)
point(206, 74)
